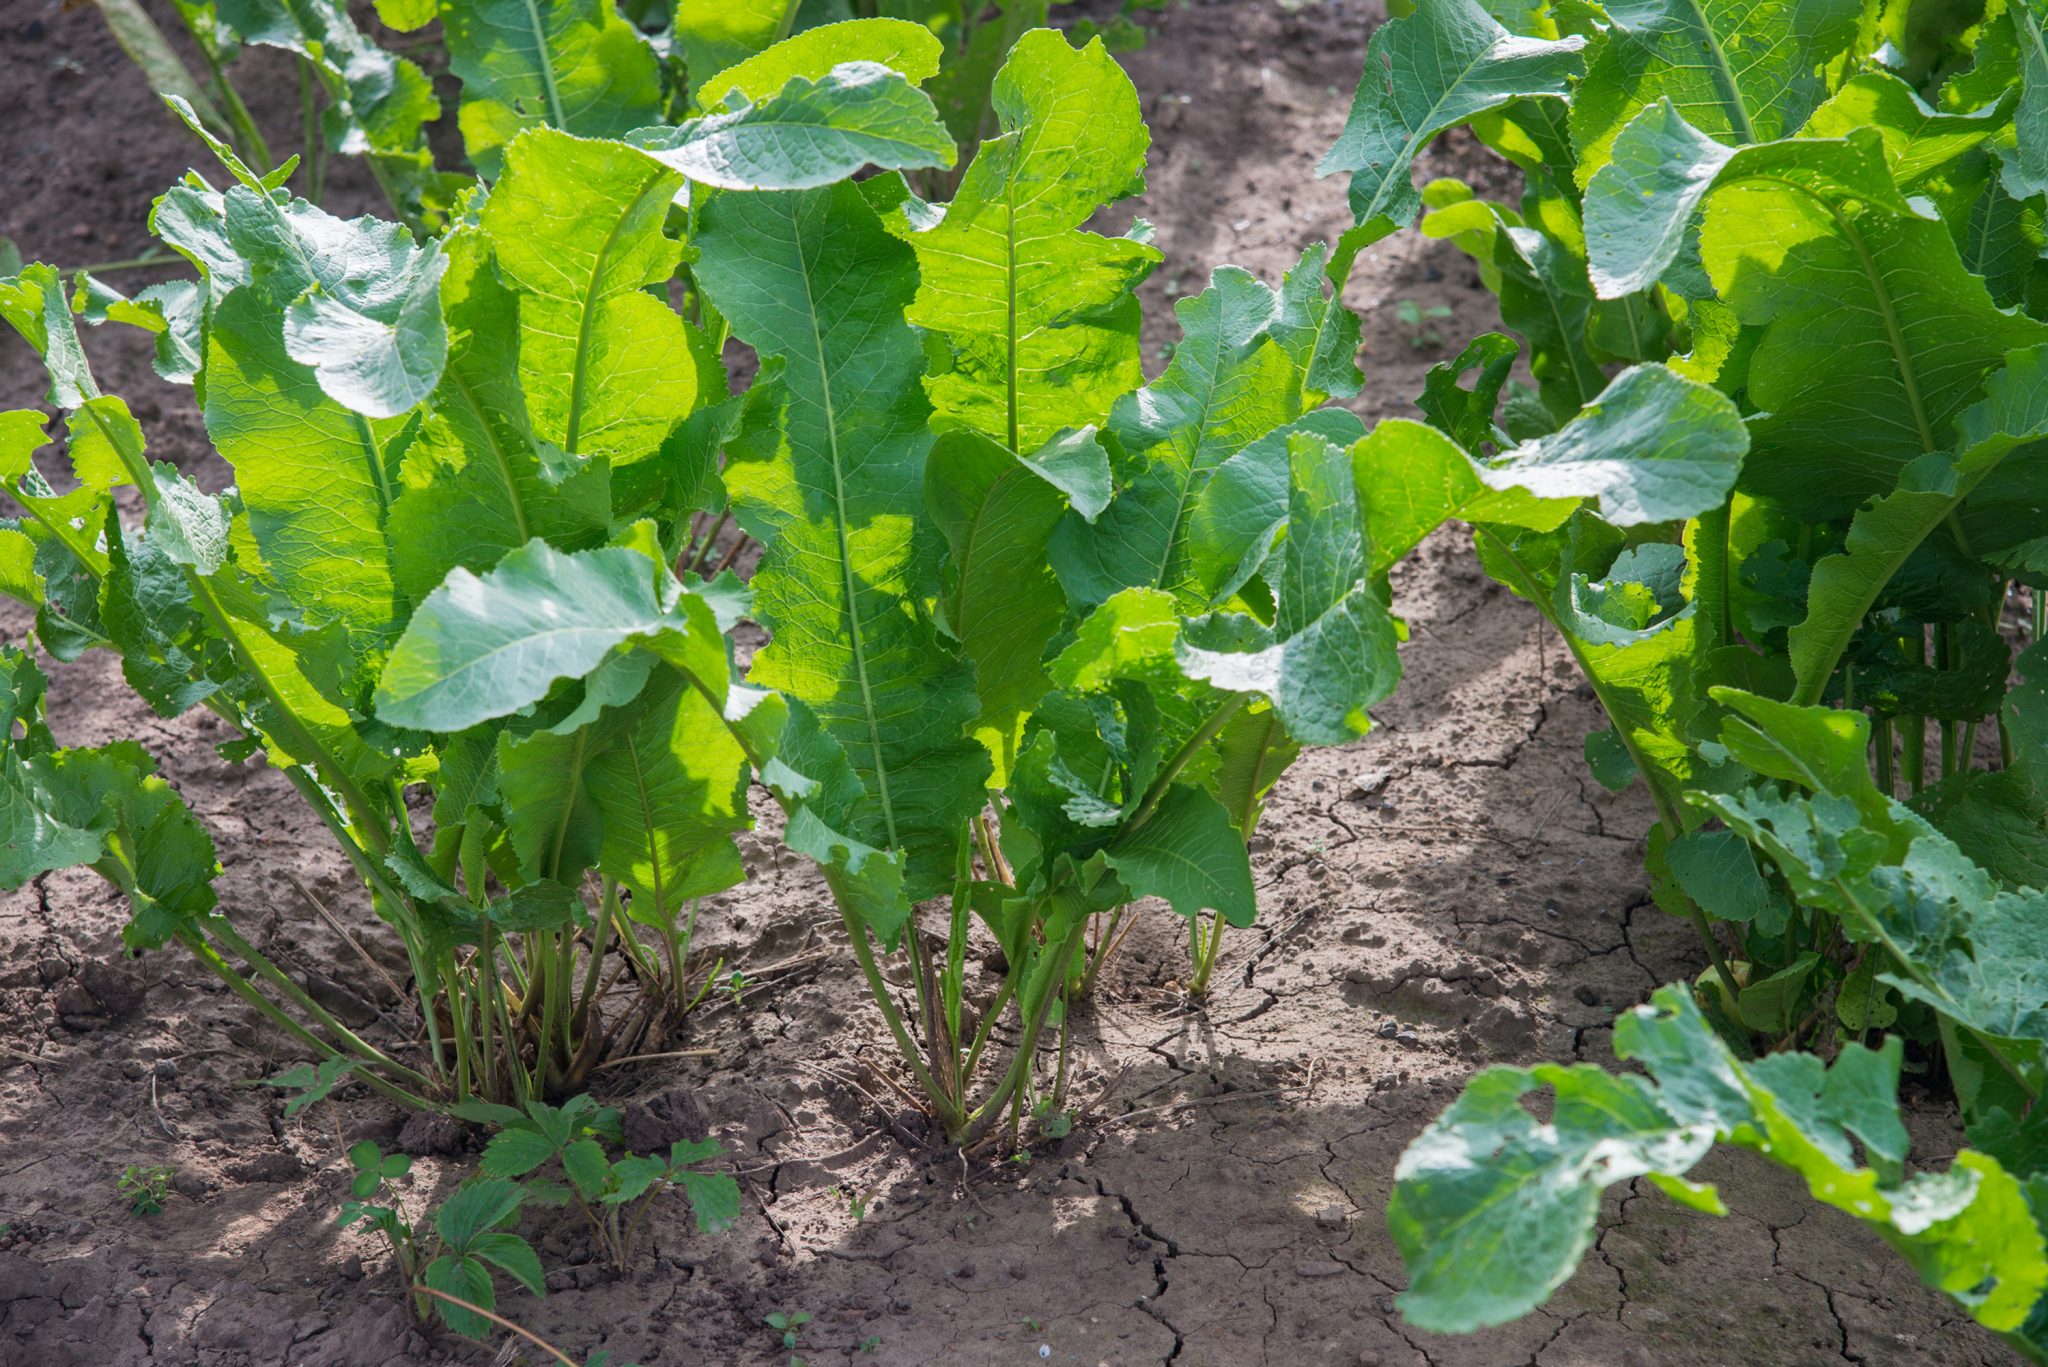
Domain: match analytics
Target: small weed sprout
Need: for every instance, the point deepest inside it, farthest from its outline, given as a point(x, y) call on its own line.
point(790, 1324)
point(144, 1187)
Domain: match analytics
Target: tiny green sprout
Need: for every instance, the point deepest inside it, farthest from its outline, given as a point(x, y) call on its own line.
point(790, 1324)
point(1416, 319)
point(856, 1202)
point(871, 1343)
point(737, 985)
point(144, 1187)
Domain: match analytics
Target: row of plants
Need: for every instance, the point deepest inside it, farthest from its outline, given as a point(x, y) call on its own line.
point(1043, 635)
point(1796, 597)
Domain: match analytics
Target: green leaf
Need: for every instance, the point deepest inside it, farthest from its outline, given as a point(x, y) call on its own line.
point(1190, 855)
point(105, 808)
point(1853, 289)
point(483, 647)
point(577, 226)
point(1717, 870)
point(1330, 653)
point(1609, 760)
point(1885, 532)
point(717, 34)
point(1037, 314)
point(1493, 1209)
point(808, 134)
point(476, 482)
point(316, 480)
point(572, 65)
point(32, 302)
point(466, 1279)
point(477, 1207)
point(1653, 447)
point(1002, 602)
point(587, 1167)
point(651, 794)
point(1741, 72)
point(829, 470)
point(378, 351)
point(1253, 751)
point(902, 46)
point(376, 103)
point(1432, 70)
point(1231, 381)
point(1240, 513)
point(714, 1200)
point(515, 1152)
point(513, 1255)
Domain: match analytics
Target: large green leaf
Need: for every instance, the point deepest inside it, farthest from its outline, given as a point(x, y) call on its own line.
point(1432, 70)
point(808, 134)
point(1191, 855)
point(829, 471)
point(717, 34)
point(572, 65)
point(1037, 312)
point(1884, 533)
point(106, 808)
point(1330, 651)
point(898, 44)
point(1873, 337)
point(1653, 447)
point(1740, 71)
point(317, 481)
point(1493, 1209)
point(608, 367)
point(1001, 601)
point(1232, 380)
point(650, 794)
point(475, 482)
point(484, 647)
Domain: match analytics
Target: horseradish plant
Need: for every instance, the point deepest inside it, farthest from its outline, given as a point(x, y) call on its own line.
point(1043, 637)
point(1793, 614)
point(510, 398)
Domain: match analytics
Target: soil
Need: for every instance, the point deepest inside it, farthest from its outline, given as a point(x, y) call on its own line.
point(1451, 891)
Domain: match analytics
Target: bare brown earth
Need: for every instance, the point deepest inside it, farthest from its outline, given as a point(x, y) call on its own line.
point(1449, 892)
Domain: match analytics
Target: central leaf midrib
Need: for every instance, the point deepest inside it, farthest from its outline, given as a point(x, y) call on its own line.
point(854, 635)
point(580, 367)
point(1724, 75)
point(651, 825)
point(543, 60)
point(497, 450)
point(574, 784)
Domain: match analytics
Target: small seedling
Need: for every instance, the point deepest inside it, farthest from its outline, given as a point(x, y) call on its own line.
point(871, 1343)
point(856, 1202)
point(790, 1324)
point(737, 984)
point(613, 1195)
point(1417, 319)
point(144, 1188)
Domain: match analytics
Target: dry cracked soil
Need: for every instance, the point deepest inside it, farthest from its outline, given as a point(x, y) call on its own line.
point(1451, 891)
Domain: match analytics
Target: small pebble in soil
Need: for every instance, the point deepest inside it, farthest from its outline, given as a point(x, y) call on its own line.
point(1389, 1029)
point(1407, 1037)
point(1331, 1217)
